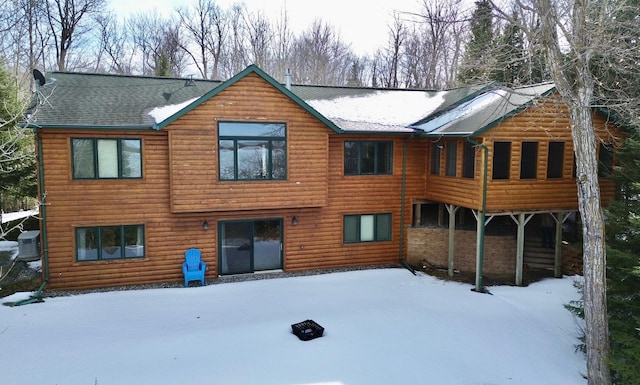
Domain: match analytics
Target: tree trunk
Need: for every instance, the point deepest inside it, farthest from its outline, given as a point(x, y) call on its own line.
point(594, 255)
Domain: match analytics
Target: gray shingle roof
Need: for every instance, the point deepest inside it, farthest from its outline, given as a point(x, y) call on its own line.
point(77, 99)
point(104, 101)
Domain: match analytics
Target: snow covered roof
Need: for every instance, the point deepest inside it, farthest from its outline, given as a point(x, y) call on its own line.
point(379, 110)
point(482, 111)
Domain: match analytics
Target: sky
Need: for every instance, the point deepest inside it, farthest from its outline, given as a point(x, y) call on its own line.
point(363, 23)
point(381, 327)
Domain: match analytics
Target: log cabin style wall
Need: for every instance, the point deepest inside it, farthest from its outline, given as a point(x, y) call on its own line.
point(542, 124)
point(180, 190)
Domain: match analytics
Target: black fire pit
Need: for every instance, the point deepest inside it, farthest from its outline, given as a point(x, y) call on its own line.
point(307, 330)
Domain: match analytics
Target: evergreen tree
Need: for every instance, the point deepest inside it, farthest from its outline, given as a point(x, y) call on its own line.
point(17, 160)
point(478, 60)
point(510, 57)
point(623, 267)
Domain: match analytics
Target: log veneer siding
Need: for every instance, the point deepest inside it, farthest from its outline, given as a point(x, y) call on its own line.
point(546, 121)
point(180, 189)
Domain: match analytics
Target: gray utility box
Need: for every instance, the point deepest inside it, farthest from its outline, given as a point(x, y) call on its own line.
point(29, 246)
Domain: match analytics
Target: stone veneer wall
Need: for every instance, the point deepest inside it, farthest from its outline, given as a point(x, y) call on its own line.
point(431, 244)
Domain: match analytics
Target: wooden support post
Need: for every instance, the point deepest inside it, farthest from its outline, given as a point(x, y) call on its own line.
point(520, 250)
point(417, 214)
point(557, 264)
point(452, 230)
point(440, 214)
point(521, 221)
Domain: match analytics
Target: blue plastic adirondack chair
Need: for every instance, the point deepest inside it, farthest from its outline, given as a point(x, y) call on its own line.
point(193, 268)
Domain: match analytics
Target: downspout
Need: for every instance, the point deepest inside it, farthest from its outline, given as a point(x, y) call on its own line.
point(481, 218)
point(403, 261)
point(37, 296)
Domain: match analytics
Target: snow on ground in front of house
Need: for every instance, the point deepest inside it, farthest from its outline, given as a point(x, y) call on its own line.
point(382, 326)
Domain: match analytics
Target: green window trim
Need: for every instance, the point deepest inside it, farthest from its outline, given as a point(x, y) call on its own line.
point(368, 158)
point(114, 242)
point(252, 151)
point(106, 158)
point(361, 228)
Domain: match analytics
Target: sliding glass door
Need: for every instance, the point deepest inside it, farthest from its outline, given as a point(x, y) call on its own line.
point(250, 246)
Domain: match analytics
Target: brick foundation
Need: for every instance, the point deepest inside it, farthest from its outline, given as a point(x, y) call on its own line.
point(431, 244)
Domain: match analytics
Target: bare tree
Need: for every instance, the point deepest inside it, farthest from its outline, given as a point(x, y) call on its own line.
point(261, 36)
point(387, 60)
point(283, 39)
point(113, 45)
point(160, 43)
point(235, 51)
point(580, 39)
point(68, 21)
point(444, 32)
point(321, 57)
point(206, 25)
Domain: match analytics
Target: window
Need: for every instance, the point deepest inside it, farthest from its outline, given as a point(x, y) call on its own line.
point(367, 228)
point(605, 160)
point(252, 151)
point(501, 160)
point(452, 157)
point(368, 158)
point(468, 160)
point(109, 242)
point(529, 160)
point(106, 158)
point(436, 151)
point(555, 160)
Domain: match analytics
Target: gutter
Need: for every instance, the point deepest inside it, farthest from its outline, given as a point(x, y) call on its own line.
point(403, 261)
point(481, 218)
point(37, 296)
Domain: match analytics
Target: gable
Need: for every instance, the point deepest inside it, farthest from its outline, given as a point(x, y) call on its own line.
point(195, 156)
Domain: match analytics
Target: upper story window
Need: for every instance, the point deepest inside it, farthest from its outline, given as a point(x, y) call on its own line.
point(468, 160)
point(252, 151)
point(605, 159)
point(555, 159)
point(368, 158)
point(452, 158)
point(109, 242)
point(436, 153)
point(501, 160)
point(529, 160)
point(97, 158)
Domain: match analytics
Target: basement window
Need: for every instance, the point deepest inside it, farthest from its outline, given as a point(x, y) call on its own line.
point(109, 242)
point(367, 228)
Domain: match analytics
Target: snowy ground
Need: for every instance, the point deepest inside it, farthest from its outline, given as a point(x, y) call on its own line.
point(383, 326)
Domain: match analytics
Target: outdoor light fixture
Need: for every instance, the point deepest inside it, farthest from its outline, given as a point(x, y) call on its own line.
point(205, 225)
point(294, 221)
